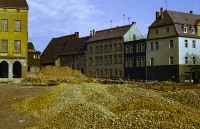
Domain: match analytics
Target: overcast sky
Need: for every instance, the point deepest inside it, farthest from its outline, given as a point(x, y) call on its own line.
point(56, 18)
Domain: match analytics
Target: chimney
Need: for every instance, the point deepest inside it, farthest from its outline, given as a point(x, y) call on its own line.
point(157, 15)
point(90, 33)
point(133, 23)
point(93, 32)
point(76, 35)
point(191, 12)
point(161, 13)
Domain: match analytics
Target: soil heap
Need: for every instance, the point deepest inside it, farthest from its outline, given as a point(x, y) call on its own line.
point(92, 105)
point(52, 75)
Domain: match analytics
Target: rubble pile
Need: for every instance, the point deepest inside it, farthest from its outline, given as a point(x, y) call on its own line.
point(52, 75)
point(92, 105)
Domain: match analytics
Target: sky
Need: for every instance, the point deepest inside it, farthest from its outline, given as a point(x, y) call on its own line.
point(56, 18)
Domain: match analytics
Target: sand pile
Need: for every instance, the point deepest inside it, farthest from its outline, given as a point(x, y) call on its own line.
point(52, 75)
point(91, 105)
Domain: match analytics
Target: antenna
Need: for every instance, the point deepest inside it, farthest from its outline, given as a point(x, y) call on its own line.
point(166, 3)
point(124, 18)
point(129, 20)
point(111, 22)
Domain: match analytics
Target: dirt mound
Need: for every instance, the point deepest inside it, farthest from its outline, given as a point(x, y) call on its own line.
point(91, 105)
point(52, 75)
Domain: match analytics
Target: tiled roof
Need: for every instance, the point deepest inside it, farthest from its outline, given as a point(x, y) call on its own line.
point(54, 49)
point(13, 4)
point(62, 46)
point(75, 46)
point(110, 33)
point(173, 17)
point(183, 18)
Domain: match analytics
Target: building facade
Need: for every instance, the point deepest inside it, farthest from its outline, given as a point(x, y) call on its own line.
point(173, 47)
point(50, 55)
point(105, 51)
point(74, 54)
point(33, 58)
point(13, 38)
point(135, 60)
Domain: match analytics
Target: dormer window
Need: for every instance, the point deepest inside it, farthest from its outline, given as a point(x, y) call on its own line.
point(192, 30)
point(185, 29)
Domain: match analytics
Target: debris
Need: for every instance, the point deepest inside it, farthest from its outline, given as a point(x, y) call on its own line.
point(52, 75)
point(92, 105)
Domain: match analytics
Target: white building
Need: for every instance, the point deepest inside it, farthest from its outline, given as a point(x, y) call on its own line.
point(173, 47)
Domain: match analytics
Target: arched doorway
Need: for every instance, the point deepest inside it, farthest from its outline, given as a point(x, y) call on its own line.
point(17, 70)
point(3, 69)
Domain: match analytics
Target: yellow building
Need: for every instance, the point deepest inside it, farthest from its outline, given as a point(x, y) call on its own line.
point(13, 38)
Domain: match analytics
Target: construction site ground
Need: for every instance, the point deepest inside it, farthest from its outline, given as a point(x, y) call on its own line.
point(14, 93)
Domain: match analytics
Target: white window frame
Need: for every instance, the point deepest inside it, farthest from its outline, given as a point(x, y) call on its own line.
point(185, 29)
point(171, 44)
point(171, 60)
point(151, 46)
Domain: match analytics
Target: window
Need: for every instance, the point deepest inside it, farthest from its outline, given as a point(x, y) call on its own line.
point(186, 43)
point(120, 59)
point(193, 30)
point(142, 47)
point(17, 46)
point(185, 29)
point(156, 31)
point(120, 73)
point(96, 60)
point(186, 60)
point(106, 48)
point(116, 72)
point(97, 49)
point(138, 48)
point(106, 72)
point(151, 46)
point(142, 61)
point(193, 44)
point(105, 60)
point(131, 48)
point(167, 30)
point(171, 44)
point(120, 47)
point(115, 59)
point(127, 49)
point(171, 60)
point(17, 26)
point(100, 49)
point(110, 59)
point(194, 60)
point(90, 61)
point(127, 64)
point(138, 62)
point(157, 46)
point(91, 50)
point(4, 25)
point(131, 62)
point(100, 60)
point(151, 62)
point(4, 45)
point(115, 47)
point(110, 48)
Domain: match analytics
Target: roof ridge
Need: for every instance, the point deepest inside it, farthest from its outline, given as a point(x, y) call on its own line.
point(117, 27)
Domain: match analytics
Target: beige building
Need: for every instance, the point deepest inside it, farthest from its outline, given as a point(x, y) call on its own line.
point(105, 50)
